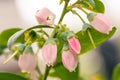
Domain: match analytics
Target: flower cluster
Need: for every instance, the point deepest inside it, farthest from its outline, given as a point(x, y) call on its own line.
point(69, 54)
point(72, 47)
point(61, 46)
point(49, 50)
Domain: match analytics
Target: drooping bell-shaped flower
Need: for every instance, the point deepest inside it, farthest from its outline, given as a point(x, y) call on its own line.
point(49, 53)
point(27, 62)
point(45, 17)
point(74, 45)
point(100, 22)
point(69, 60)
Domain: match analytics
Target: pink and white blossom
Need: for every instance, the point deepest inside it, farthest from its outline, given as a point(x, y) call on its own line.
point(49, 53)
point(45, 17)
point(74, 45)
point(69, 60)
point(27, 62)
point(101, 23)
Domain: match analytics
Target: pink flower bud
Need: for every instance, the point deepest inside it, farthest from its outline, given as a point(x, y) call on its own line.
point(69, 60)
point(74, 45)
point(27, 62)
point(49, 53)
point(101, 23)
point(45, 17)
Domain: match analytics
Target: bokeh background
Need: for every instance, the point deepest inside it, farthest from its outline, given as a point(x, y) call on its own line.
point(20, 13)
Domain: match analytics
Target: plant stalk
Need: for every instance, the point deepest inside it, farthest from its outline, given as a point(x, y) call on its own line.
point(54, 31)
point(6, 61)
point(89, 34)
point(74, 12)
point(46, 72)
point(91, 39)
point(63, 12)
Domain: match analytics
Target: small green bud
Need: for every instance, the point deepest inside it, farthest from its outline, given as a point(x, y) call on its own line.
point(28, 49)
point(70, 34)
point(86, 26)
point(65, 47)
point(90, 16)
point(51, 40)
point(19, 47)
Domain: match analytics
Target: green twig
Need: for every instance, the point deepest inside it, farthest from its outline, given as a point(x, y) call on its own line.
point(90, 36)
point(54, 33)
point(42, 31)
point(15, 53)
point(84, 11)
point(63, 12)
point(46, 72)
point(79, 6)
point(61, 18)
point(91, 39)
point(74, 12)
point(6, 61)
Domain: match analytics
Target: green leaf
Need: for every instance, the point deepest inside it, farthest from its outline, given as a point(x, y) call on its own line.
point(93, 5)
point(5, 35)
point(59, 48)
point(98, 38)
point(15, 36)
point(62, 73)
point(61, 1)
point(116, 73)
point(2, 49)
point(23, 74)
point(99, 6)
point(10, 76)
point(86, 4)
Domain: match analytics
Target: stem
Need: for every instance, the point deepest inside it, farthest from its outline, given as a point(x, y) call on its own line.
point(15, 53)
point(27, 42)
point(80, 7)
point(75, 5)
point(91, 38)
point(54, 33)
point(84, 11)
point(63, 12)
point(6, 61)
point(74, 12)
point(46, 72)
point(61, 18)
point(44, 32)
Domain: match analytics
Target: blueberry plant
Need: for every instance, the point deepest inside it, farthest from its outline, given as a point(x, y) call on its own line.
point(59, 48)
